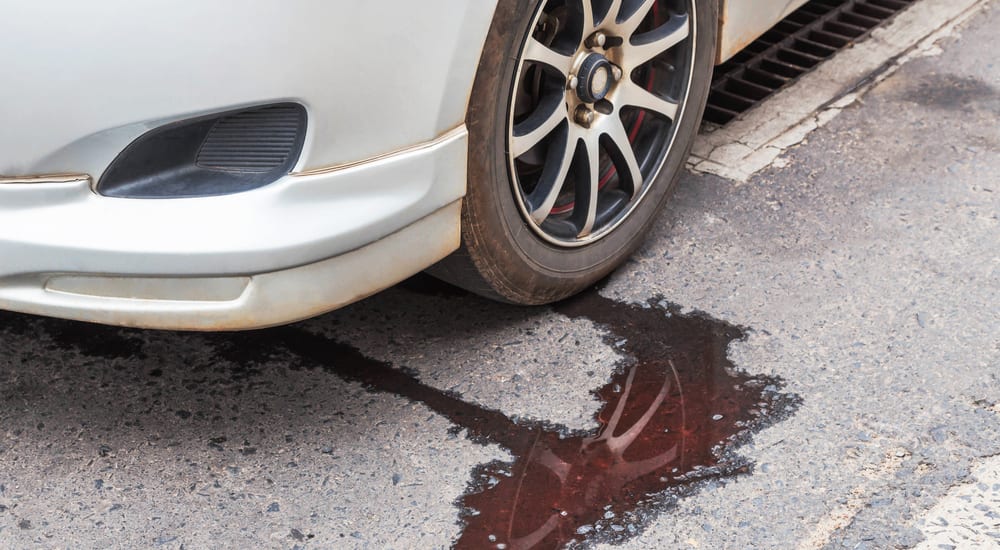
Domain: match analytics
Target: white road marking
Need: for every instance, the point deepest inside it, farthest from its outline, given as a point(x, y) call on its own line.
point(969, 515)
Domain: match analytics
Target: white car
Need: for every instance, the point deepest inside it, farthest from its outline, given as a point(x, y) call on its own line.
point(238, 164)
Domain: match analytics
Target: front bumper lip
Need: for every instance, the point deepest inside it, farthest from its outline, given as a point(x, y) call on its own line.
point(238, 302)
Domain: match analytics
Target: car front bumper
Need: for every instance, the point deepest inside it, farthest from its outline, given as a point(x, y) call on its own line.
point(307, 244)
point(373, 198)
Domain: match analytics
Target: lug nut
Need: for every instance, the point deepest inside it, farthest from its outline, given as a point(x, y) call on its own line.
point(616, 72)
point(597, 40)
point(584, 116)
point(573, 82)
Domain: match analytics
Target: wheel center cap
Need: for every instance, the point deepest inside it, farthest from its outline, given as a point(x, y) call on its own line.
point(594, 78)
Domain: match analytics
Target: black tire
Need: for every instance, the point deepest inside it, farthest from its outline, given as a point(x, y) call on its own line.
point(501, 256)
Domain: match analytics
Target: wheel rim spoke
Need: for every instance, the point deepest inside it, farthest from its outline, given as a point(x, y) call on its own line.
point(635, 96)
point(611, 17)
point(646, 46)
point(631, 22)
point(540, 53)
point(547, 117)
point(550, 183)
point(623, 156)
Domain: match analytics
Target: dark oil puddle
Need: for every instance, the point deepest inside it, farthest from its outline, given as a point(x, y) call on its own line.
point(671, 416)
point(87, 340)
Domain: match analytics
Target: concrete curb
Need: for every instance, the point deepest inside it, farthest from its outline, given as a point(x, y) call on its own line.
point(758, 138)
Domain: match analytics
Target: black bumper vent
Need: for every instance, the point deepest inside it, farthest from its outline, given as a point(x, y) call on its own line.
point(252, 141)
point(792, 48)
point(209, 156)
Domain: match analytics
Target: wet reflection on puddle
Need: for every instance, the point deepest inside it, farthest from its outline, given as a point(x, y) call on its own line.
point(667, 418)
point(670, 415)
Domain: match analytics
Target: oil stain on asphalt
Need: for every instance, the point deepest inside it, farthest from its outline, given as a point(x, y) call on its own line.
point(671, 417)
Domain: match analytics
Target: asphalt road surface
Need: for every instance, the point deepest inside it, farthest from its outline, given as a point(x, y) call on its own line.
point(856, 291)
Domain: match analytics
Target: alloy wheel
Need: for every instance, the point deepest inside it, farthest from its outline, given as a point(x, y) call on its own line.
point(599, 91)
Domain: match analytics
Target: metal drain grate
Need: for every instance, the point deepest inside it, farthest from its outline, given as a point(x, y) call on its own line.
point(792, 48)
